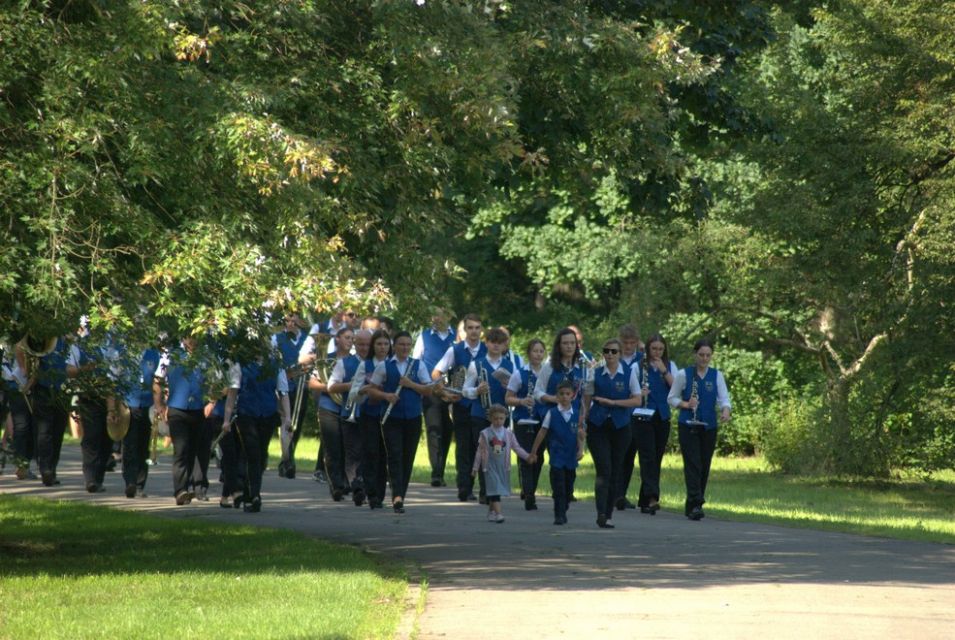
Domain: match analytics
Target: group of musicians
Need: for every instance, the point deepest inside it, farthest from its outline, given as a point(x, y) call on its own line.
point(373, 387)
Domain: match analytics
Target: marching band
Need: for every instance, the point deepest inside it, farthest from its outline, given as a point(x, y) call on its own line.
point(372, 391)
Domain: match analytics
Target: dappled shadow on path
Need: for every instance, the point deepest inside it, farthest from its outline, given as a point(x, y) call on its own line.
point(458, 548)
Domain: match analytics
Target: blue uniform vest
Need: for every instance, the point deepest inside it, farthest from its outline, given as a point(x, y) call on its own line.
point(51, 371)
point(289, 349)
point(370, 407)
point(574, 375)
point(409, 402)
point(497, 389)
point(185, 385)
point(351, 366)
point(617, 388)
point(435, 347)
point(462, 358)
point(257, 391)
point(659, 389)
point(528, 382)
point(325, 401)
point(562, 439)
point(140, 392)
point(706, 391)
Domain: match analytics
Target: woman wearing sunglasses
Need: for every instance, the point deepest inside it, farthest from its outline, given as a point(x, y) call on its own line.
point(615, 393)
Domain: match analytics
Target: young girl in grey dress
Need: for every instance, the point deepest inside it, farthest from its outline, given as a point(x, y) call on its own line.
point(494, 459)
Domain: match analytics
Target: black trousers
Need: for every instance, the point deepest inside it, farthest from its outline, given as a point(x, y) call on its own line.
point(24, 432)
point(333, 449)
point(353, 443)
point(207, 433)
point(562, 485)
point(529, 474)
point(464, 449)
point(608, 447)
point(440, 429)
point(697, 446)
point(373, 463)
point(401, 445)
point(652, 436)
point(186, 431)
point(626, 473)
point(136, 448)
point(49, 420)
point(246, 454)
point(96, 446)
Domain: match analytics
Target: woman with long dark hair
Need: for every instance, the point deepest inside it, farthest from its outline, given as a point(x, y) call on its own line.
point(652, 423)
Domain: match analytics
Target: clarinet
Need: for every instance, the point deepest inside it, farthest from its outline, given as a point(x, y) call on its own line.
point(391, 405)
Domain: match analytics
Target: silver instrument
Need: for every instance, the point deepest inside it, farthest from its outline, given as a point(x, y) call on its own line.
point(694, 393)
point(351, 401)
point(408, 374)
point(643, 412)
point(486, 396)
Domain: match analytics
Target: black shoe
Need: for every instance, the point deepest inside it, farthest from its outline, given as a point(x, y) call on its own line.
point(358, 497)
point(644, 509)
point(254, 506)
point(184, 497)
point(226, 502)
point(560, 520)
point(130, 491)
point(462, 497)
point(696, 514)
point(337, 495)
point(572, 499)
point(24, 473)
point(652, 508)
point(94, 487)
point(202, 493)
point(374, 504)
point(530, 504)
point(435, 483)
point(320, 477)
point(49, 479)
point(623, 504)
point(290, 472)
point(603, 523)
point(399, 506)
point(472, 497)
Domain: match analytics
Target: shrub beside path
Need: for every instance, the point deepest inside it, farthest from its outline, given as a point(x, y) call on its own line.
point(651, 577)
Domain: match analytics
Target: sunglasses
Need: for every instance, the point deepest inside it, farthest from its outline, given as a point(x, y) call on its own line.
point(611, 351)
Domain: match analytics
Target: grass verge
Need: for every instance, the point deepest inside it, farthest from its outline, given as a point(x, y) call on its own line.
point(72, 570)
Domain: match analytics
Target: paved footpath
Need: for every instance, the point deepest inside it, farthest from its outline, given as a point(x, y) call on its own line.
point(651, 577)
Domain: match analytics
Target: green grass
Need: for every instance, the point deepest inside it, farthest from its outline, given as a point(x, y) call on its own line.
point(72, 570)
point(746, 489)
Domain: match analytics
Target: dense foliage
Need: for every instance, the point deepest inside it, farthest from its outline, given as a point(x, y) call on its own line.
point(775, 174)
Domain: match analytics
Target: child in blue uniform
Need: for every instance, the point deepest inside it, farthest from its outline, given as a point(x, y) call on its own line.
point(565, 445)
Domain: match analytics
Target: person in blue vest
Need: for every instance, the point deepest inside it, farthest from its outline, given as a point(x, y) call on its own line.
point(616, 390)
point(44, 392)
point(701, 394)
point(563, 364)
point(374, 464)
point(343, 375)
point(631, 355)
point(332, 449)
point(652, 426)
point(526, 418)
point(262, 405)
point(401, 382)
point(85, 363)
point(185, 379)
point(456, 359)
point(486, 384)
point(134, 375)
point(21, 416)
point(562, 428)
point(289, 343)
point(429, 348)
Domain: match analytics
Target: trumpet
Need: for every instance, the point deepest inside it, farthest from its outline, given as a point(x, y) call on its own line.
point(408, 374)
point(351, 401)
point(485, 397)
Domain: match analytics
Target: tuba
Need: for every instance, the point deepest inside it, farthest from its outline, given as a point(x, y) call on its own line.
point(32, 361)
point(117, 421)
